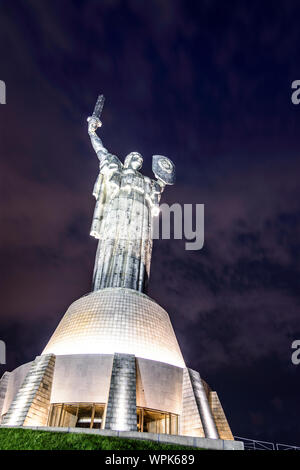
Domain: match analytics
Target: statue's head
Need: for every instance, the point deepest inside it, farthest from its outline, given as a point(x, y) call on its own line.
point(133, 160)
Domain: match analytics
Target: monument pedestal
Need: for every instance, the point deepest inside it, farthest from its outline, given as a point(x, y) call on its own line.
point(113, 363)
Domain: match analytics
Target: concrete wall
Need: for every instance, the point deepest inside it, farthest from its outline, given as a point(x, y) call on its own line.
point(191, 424)
point(159, 386)
point(205, 413)
point(81, 378)
point(86, 378)
point(201, 443)
point(219, 417)
point(31, 403)
point(3, 387)
point(121, 405)
point(39, 409)
point(15, 381)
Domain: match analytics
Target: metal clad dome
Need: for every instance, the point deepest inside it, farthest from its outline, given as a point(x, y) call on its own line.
point(117, 320)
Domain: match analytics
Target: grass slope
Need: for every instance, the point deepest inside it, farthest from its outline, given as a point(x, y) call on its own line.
point(28, 439)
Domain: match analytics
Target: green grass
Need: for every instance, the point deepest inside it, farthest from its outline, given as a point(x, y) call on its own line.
point(28, 439)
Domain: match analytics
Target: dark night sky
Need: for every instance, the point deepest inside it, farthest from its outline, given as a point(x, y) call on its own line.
point(207, 83)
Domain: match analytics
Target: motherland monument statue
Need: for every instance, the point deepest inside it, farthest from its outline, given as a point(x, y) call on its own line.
point(126, 203)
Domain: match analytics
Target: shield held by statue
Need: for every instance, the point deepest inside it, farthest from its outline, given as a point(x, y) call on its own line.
point(164, 169)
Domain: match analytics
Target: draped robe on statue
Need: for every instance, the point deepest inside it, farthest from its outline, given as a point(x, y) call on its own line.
point(123, 224)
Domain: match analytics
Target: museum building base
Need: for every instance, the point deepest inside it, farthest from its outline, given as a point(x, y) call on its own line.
point(117, 392)
point(113, 363)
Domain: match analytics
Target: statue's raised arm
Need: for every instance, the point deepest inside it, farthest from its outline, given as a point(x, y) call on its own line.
point(97, 144)
point(108, 180)
point(93, 123)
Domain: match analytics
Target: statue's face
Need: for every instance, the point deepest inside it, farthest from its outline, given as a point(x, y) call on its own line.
point(134, 160)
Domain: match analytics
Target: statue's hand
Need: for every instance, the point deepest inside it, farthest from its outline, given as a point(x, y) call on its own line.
point(94, 123)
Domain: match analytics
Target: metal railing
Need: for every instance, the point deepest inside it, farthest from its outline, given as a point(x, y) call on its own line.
point(286, 447)
point(253, 444)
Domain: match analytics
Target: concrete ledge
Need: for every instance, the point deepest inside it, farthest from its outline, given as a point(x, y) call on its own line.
point(190, 441)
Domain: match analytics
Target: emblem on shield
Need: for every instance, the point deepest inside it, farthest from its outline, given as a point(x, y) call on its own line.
point(163, 169)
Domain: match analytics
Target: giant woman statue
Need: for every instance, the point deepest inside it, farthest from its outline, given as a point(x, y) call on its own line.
point(126, 202)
